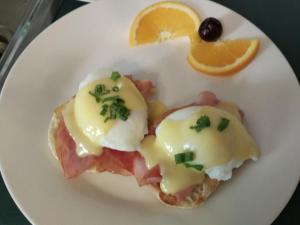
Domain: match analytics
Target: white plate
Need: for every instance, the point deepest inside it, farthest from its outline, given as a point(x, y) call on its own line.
point(48, 73)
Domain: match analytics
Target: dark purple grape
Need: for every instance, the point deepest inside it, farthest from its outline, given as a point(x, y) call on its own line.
point(210, 29)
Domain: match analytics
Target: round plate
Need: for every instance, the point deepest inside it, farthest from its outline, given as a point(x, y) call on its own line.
point(96, 36)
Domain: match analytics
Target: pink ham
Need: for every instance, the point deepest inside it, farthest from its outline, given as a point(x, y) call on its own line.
point(115, 161)
point(143, 175)
point(205, 98)
point(128, 164)
point(144, 86)
point(66, 152)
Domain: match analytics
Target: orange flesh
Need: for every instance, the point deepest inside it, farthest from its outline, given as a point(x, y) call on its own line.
point(152, 25)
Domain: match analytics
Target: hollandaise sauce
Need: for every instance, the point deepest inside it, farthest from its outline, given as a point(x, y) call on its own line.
point(155, 110)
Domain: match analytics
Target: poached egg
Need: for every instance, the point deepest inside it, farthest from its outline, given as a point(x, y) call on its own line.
point(215, 151)
point(90, 129)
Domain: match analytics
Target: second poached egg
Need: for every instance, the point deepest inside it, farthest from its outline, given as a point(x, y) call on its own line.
point(216, 151)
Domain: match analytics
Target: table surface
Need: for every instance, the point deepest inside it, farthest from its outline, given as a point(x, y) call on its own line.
point(279, 20)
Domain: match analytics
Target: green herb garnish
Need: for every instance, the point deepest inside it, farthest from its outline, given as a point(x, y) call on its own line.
point(201, 123)
point(198, 167)
point(116, 109)
point(96, 96)
point(184, 157)
point(104, 110)
point(115, 88)
point(223, 124)
point(115, 76)
point(99, 91)
point(112, 98)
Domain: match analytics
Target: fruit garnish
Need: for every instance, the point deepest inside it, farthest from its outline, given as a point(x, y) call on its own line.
point(162, 21)
point(168, 20)
point(210, 29)
point(221, 58)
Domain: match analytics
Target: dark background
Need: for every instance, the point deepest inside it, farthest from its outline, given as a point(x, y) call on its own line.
point(279, 19)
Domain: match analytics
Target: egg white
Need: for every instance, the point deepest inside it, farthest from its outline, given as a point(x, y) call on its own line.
point(127, 135)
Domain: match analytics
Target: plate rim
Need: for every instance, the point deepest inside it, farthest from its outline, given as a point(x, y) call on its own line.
point(72, 14)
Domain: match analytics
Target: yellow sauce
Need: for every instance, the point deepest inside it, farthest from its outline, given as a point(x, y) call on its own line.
point(82, 115)
point(83, 145)
point(175, 177)
point(210, 146)
point(155, 110)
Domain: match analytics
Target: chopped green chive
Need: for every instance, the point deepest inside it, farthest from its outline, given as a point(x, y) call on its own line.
point(99, 91)
point(116, 109)
point(114, 106)
point(104, 110)
point(184, 157)
point(179, 158)
point(201, 123)
point(115, 76)
point(111, 98)
point(124, 113)
point(115, 88)
point(96, 96)
point(198, 167)
point(119, 101)
point(223, 124)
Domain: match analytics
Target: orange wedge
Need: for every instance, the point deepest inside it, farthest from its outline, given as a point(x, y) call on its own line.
point(221, 58)
point(162, 21)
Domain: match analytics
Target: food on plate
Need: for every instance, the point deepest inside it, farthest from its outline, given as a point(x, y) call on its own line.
point(155, 110)
point(207, 54)
point(210, 29)
point(183, 153)
point(197, 147)
point(106, 113)
point(162, 21)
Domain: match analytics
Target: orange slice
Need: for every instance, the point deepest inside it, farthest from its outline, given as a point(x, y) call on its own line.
point(162, 21)
point(221, 58)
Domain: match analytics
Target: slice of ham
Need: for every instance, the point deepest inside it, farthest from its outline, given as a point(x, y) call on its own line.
point(143, 175)
point(114, 161)
point(127, 164)
point(66, 152)
point(118, 162)
point(204, 98)
point(144, 86)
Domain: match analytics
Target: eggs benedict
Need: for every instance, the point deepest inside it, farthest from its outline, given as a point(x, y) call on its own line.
point(107, 112)
point(183, 153)
point(197, 147)
point(195, 142)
